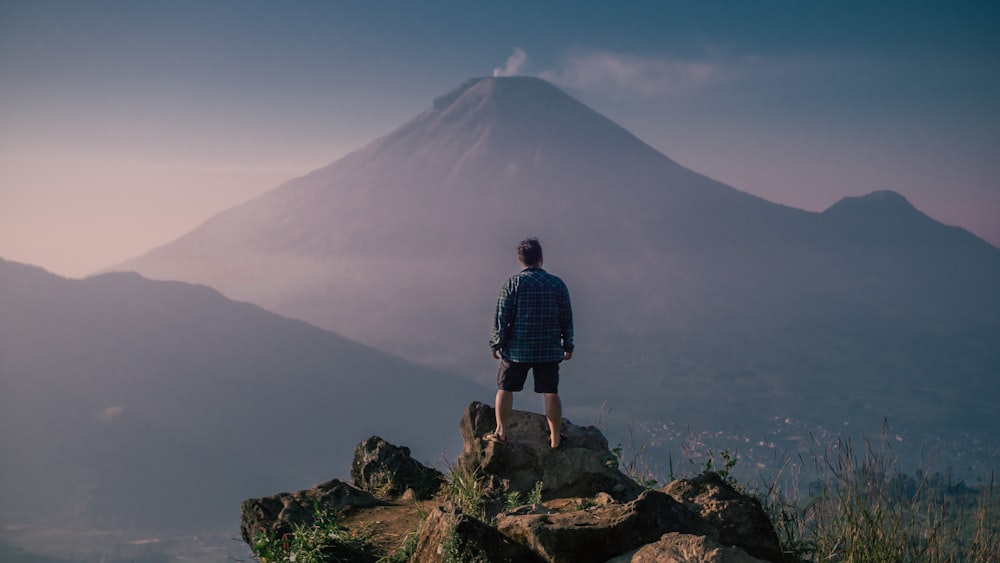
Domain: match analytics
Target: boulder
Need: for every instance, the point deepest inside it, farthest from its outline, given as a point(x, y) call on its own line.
point(386, 470)
point(583, 467)
point(449, 535)
point(598, 534)
point(281, 513)
point(739, 518)
point(685, 548)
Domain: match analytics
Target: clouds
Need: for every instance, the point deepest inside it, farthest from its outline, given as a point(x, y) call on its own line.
point(514, 63)
point(629, 75)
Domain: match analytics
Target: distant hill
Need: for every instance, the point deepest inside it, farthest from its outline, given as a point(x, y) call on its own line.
point(695, 302)
point(139, 405)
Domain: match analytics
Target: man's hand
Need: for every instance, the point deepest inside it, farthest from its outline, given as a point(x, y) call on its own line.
point(496, 354)
point(567, 356)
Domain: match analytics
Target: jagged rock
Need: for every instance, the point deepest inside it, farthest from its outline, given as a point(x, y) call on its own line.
point(280, 513)
point(685, 548)
point(739, 518)
point(583, 467)
point(387, 470)
point(598, 534)
point(449, 535)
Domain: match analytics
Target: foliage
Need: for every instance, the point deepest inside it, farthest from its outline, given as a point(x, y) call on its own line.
point(322, 541)
point(862, 508)
point(467, 491)
point(535, 496)
point(511, 501)
point(725, 472)
point(456, 551)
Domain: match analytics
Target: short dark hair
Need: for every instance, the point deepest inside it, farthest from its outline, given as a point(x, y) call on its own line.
point(530, 252)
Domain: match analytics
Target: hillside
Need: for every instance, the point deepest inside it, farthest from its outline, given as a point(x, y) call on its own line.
point(153, 407)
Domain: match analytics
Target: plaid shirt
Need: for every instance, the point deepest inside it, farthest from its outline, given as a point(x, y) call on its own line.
point(534, 320)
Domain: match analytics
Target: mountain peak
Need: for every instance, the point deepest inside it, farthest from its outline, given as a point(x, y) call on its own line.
point(520, 104)
point(493, 86)
point(881, 202)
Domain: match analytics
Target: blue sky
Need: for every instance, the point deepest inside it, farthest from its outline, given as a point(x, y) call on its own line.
point(124, 124)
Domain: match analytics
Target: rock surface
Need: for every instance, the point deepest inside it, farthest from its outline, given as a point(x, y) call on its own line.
point(280, 513)
point(591, 511)
point(583, 467)
point(387, 470)
point(739, 518)
point(449, 535)
point(596, 535)
point(686, 548)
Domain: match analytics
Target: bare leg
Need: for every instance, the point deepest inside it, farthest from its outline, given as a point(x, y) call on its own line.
point(553, 413)
point(504, 405)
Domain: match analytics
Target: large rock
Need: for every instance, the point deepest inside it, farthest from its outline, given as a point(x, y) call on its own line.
point(583, 467)
point(279, 514)
point(685, 548)
point(598, 534)
point(387, 470)
point(449, 535)
point(739, 518)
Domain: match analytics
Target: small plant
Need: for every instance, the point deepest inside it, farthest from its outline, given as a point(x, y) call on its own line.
point(725, 472)
point(456, 551)
point(535, 496)
point(511, 501)
point(322, 541)
point(466, 490)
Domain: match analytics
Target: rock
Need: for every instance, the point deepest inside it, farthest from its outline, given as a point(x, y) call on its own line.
point(598, 534)
point(279, 514)
point(739, 519)
point(685, 548)
point(449, 535)
point(386, 470)
point(583, 467)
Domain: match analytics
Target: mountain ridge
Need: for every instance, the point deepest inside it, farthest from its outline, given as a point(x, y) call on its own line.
point(122, 393)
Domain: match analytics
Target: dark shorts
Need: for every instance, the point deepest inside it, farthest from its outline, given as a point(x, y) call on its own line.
point(512, 376)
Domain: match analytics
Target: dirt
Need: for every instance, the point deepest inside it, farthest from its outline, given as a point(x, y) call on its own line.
point(390, 522)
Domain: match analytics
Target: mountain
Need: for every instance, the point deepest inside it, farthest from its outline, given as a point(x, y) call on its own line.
point(694, 302)
point(158, 406)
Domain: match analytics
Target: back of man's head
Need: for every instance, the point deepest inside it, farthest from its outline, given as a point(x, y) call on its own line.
point(529, 252)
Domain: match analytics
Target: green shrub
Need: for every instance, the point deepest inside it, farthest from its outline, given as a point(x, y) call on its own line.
point(322, 541)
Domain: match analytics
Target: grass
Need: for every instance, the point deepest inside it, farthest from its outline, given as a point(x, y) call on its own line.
point(465, 488)
point(861, 508)
point(322, 541)
point(853, 504)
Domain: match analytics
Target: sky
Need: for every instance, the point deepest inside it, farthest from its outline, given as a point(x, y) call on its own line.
point(125, 124)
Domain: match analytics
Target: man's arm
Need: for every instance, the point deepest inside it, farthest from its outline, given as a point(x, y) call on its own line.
point(566, 323)
point(502, 320)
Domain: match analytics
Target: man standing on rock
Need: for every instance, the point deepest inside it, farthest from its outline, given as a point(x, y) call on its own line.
point(532, 330)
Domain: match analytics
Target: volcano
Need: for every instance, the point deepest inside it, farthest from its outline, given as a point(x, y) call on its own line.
point(693, 299)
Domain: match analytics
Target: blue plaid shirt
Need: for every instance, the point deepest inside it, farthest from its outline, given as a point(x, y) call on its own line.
point(534, 319)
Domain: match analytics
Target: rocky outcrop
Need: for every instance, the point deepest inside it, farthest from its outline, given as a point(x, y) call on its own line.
point(596, 535)
point(386, 470)
point(279, 514)
point(449, 535)
point(739, 519)
point(591, 511)
point(685, 548)
point(583, 467)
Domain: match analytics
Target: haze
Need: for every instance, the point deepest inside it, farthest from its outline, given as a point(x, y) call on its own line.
point(125, 125)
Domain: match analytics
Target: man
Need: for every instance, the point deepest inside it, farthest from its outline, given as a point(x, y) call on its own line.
point(532, 330)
